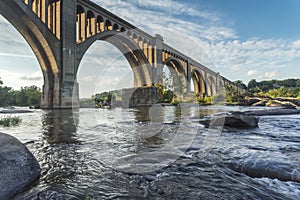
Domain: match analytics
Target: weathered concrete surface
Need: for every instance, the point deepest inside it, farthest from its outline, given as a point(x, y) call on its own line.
point(139, 97)
point(18, 167)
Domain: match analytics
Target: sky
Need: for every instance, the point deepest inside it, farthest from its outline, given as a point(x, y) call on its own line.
point(243, 40)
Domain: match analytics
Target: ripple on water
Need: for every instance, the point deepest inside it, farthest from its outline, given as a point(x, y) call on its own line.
point(98, 154)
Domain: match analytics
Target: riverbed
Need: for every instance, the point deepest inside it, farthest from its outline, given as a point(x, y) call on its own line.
point(159, 153)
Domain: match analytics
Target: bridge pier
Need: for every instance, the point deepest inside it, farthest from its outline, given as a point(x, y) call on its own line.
point(57, 94)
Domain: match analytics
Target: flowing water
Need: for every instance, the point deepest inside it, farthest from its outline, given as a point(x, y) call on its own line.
point(159, 153)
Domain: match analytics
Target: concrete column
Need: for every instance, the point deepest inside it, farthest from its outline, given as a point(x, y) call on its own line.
point(206, 82)
point(69, 86)
point(217, 82)
point(157, 65)
point(188, 66)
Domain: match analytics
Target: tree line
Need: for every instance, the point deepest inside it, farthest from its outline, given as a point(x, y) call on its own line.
point(26, 96)
point(275, 88)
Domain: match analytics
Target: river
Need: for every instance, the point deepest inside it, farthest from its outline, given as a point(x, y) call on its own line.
point(159, 153)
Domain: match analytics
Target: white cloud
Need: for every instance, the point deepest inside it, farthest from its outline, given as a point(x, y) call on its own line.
point(296, 44)
point(17, 80)
point(36, 77)
point(271, 74)
point(251, 72)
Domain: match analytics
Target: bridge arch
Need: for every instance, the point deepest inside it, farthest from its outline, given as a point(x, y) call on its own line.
point(133, 54)
point(199, 82)
point(211, 86)
point(45, 50)
point(178, 74)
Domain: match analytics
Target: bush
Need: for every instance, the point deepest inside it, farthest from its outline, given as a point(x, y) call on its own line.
point(205, 101)
point(175, 102)
point(9, 121)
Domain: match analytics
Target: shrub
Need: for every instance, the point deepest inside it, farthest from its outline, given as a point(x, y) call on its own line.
point(9, 121)
point(175, 102)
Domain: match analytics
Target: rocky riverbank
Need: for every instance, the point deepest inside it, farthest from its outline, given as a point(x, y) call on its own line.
point(273, 102)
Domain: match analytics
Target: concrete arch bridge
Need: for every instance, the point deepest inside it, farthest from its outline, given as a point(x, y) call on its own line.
point(61, 31)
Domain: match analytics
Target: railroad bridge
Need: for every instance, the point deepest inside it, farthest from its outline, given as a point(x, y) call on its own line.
point(61, 31)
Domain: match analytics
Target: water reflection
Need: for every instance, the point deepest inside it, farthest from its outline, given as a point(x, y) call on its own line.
point(60, 126)
point(158, 114)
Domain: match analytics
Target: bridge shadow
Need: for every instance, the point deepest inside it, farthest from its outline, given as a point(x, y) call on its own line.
point(60, 126)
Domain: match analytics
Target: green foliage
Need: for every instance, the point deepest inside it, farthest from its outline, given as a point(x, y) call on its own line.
point(284, 92)
point(240, 84)
point(7, 96)
point(104, 97)
point(9, 121)
point(175, 102)
point(232, 95)
point(265, 86)
point(164, 95)
point(205, 101)
point(252, 84)
point(26, 96)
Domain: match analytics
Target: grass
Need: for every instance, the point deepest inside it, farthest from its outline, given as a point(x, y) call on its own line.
point(9, 121)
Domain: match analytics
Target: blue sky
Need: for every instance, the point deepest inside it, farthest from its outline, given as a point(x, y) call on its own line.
point(240, 39)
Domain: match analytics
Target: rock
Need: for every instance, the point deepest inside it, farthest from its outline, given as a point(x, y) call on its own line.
point(250, 101)
point(235, 119)
point(14, 111)
point(260, 103)
point(280, 111)
point(285, 104)
point(48, 195)
point(258, 167)
point(18, 167)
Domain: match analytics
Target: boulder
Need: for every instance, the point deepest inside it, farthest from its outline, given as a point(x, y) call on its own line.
point(18, 167)
point(235, 120)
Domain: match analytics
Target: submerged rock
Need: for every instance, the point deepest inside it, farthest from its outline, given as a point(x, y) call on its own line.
point(265, 168)
point(235, 120)
point(18, 167)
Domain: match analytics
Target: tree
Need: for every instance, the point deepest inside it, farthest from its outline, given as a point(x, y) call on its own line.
point(28, 96)
point(298, 83)
point(252, 84)
point(240, 84)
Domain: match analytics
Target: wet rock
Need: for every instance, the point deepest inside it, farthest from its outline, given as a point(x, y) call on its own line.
point(48, 195)
point(235, 120)
point(261, 168)
point(18, 167)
